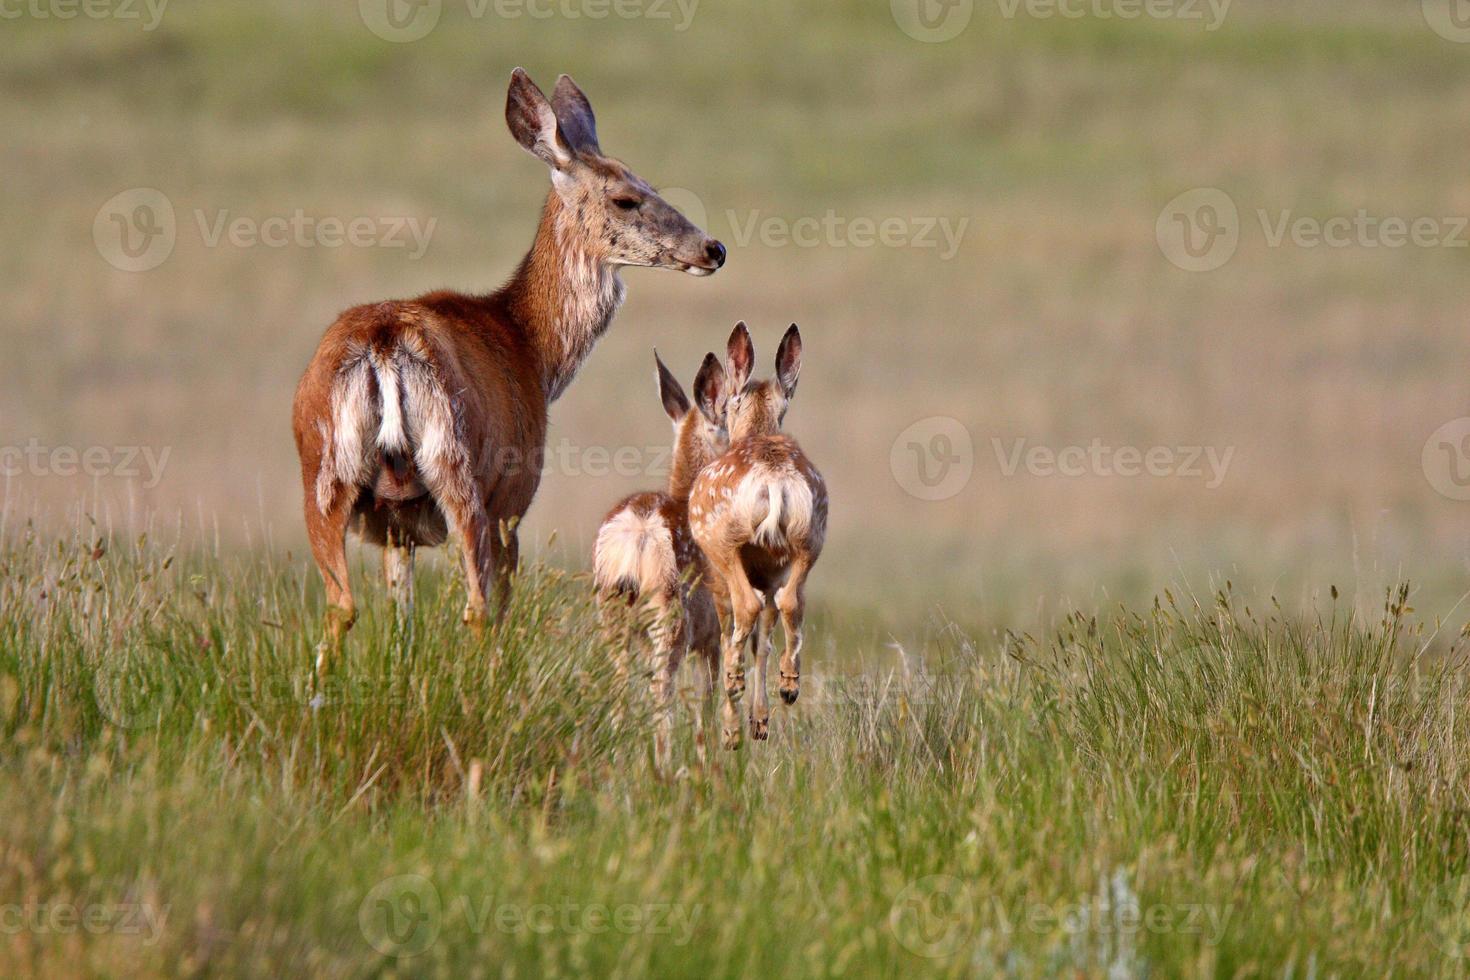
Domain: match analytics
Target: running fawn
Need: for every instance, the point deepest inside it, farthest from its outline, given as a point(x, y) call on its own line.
point(646, 553)
point(420, 416)
point(759, 514)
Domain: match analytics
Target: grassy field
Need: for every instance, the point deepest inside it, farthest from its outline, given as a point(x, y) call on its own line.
point(1203, 788)
point(1057, 721)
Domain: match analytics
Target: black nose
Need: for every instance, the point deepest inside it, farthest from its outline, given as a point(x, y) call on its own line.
point(715, 252)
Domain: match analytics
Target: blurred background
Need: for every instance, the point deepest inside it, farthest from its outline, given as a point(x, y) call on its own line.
point(1099, 297)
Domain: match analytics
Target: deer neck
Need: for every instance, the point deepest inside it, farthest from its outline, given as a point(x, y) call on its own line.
point(564, 294)
point(690, 456)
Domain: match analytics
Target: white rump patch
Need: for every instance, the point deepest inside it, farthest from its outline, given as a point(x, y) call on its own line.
point(635, 551)
point(774, 508)
point(411, 413)
point(346, 462)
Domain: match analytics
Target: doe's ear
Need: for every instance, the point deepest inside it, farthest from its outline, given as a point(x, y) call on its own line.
point(533, 122)
point(788, 361)
point(676, 403)
point(709, 389)
point(739, 356)
point(574, 113)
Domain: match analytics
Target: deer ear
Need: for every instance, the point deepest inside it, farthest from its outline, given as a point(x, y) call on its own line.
point(574, 113)
point(533, 123)
point(676, 403)
point(788, 361)
point(709, 389)
point(739, 356)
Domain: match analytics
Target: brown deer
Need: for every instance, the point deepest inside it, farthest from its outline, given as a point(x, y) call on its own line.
point(420, 416)
point(646, 555)
point(759, 514)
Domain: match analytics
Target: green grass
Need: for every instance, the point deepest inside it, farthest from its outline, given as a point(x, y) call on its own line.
point(1201, 788)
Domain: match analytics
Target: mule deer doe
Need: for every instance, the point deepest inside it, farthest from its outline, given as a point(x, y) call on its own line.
point(418, 416)
point(645, 552)
point(759, 514)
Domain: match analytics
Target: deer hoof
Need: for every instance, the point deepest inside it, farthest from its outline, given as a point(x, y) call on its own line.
point(730, 739)
point(790, 696)
point(790, 688)
point(760, 729)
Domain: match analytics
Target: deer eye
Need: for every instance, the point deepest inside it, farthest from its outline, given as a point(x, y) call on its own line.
point(626, 203)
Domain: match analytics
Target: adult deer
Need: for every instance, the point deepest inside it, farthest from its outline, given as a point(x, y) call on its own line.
point(417, 417)
point(759, 514)
point(645, 554)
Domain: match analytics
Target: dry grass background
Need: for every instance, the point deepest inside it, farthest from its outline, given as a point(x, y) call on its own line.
point(1058, 321)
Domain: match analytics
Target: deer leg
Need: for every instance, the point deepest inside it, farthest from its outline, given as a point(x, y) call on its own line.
point(667, 636)
point(505, 554)
point(328, 535)
point(477, 536)
point(791, 601)
point(745, 607)
point(760, 701)
point(614, 616)
point(398, 574)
